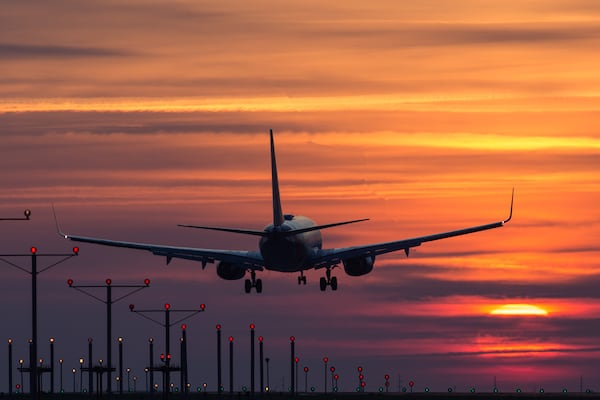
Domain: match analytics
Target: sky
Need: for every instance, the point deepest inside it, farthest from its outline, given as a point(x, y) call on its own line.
point(422, 116)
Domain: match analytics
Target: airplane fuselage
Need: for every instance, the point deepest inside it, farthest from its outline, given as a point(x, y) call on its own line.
point(290, 253)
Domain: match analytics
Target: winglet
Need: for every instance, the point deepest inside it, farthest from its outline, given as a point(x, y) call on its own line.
point(57, 224)
point(277, 210)
point(512, 200)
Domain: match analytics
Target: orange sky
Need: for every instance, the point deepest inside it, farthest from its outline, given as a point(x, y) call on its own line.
point(422, 117)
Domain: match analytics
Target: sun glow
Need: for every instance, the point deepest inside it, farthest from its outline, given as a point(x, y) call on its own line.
point(519, 309)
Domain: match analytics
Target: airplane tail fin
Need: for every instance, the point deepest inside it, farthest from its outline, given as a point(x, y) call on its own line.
point(277, 210)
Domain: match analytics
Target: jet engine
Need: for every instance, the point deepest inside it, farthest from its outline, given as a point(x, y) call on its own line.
point(229, 271)
point(359, 266)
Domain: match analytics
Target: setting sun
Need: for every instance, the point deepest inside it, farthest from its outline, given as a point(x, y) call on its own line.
point(518, 309)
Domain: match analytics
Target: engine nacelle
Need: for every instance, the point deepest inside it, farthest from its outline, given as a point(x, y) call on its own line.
point(229, 271)
point(359, 266)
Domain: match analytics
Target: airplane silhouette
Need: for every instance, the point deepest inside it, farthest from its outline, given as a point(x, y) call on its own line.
point(290, 243)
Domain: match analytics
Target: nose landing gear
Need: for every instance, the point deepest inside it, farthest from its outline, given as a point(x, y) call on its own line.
point(302, 278)
point(253, 283)
point(328, 280)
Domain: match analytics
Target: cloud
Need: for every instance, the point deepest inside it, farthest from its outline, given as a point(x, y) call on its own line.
point(15, 51)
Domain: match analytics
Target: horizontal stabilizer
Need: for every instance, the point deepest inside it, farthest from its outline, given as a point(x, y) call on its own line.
point(232, 230)
point(279, 233)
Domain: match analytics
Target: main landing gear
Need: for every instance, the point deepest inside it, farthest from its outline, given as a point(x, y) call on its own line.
point(329, 281)
point(253, 283)
point(302, 278)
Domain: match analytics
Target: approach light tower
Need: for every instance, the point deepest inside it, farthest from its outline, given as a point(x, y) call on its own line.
point(166, 357)
point(109, 302)
point(33, 253)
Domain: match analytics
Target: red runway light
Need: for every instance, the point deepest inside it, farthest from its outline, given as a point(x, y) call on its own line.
point(218, 327)
point(147, 282)
point(33, 250)
point(131, 307)
point(252, 326)
point(167, 306)
point(231, 338)
point(202, 306)
point(108, 282)
point(305, 369)
point(75, 250)
point(325, 360)
point(332, 369)
point(260, 339)
point(183, 327)
point(292, 339)
point(70, 282)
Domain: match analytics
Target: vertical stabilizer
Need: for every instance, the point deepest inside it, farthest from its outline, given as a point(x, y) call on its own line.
point(277, 211)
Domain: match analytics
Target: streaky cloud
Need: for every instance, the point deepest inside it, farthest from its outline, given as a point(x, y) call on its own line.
point(15, 51)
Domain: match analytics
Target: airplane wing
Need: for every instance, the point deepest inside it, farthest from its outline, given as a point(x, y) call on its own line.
point(328, 257)
point(245, 259)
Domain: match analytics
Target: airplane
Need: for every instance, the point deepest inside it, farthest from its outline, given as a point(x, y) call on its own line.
point(291, 244)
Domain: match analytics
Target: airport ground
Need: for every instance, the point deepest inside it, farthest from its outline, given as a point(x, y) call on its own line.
point(314, 396)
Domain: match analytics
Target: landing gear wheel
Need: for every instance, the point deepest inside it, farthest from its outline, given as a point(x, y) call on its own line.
point(333, 283)
point(304, 280)
point(328, 280)
point(253, 283)
point(323, 284)
point(258, 286)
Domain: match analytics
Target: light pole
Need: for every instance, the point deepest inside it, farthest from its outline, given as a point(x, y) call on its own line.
point(81, 374)
point(306, 369)
point(220, 387)
point(21, 361)
point(260, 355)
point(74, 371)
point(184, 364)
point(51, 365)
point(292, 349)
point(252, 359)
point(10, 366)
point(332, 369)
point(128, 380)
point(296, 360)
point(146, 373)
point(41, 375)
point(267, 361)
point(90, 368)
point(325, 360)
point(120, 339)
point(151, 363)
point(33, 253)
point(60, 362)
point(230, 364)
